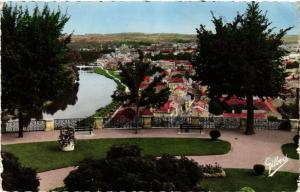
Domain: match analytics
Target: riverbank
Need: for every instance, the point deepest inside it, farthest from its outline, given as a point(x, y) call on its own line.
point(111, 75)
point(114, 105)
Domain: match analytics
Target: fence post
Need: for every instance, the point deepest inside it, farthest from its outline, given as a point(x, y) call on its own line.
point(147, 121)
point(98, 122)
point(243, 123)
point(294, 125)
point(49, 124)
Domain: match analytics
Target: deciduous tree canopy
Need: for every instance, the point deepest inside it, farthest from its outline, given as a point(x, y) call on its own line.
point(241, 58)
point(132, 75)
point(33, 53)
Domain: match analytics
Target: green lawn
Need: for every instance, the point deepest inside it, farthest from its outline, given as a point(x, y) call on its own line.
point(290, 149)
point(45, 156)
point(238, 178)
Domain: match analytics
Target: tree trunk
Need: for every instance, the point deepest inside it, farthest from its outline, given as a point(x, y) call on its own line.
point(250, 116)
point(20, 123)
point(297, 103)
point(137, 119)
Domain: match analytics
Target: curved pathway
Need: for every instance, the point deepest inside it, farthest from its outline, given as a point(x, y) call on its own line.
point(245, 150)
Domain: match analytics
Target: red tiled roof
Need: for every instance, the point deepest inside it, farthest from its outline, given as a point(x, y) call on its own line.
point(260, 104)
point(200, 102)
point(160, 86)
point(147, 78)
point(179, 71)
point(166, 107)
point(164, 72)
point(151, 49)
point(166, 51)
point(180, 88)
point(168, 60)
point(176, 80)
point(127, 113)
point(146, 112)
point(143, 85)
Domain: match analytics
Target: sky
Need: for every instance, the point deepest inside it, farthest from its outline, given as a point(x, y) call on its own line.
point(161, 17)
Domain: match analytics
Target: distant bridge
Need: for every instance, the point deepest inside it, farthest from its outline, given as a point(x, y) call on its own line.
point(87, 66)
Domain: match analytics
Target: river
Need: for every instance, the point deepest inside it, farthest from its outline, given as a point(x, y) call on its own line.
point(94, 92)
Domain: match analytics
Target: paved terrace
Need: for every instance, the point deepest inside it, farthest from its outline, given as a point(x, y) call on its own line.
point(245, 150)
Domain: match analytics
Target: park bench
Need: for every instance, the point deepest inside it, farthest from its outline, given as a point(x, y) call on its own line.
point(186, 127)
point(83, 129)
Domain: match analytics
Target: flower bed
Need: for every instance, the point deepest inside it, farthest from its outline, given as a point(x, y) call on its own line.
point(210, 171)
point(66, 139)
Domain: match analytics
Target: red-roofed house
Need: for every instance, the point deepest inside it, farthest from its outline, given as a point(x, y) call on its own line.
point(200, 109)
point(175, 81)
point(168, 109)
point(144, 85)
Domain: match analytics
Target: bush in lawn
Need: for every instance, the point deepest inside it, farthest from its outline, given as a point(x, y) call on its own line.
point(285, 125)
point(238, 108)
point(259, 169)
point(119, 151)
point(296, 139)
point(15, 177)
point(289, 111)
point(132, 173)
point(215, 107)
point(214, 134)
point(226, 107)
point(272, 118)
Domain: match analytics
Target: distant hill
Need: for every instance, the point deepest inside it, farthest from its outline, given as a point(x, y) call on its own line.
point(291, 38)
point(133, 37)
point(147, 38)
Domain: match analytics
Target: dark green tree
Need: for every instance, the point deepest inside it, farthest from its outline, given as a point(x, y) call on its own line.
point(132, 75)
point(241, 58)
point(15, 177)
point(33, 57)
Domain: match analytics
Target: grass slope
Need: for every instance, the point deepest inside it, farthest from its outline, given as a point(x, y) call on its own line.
point(45, 156)
point(290, 149)
point(238, 178)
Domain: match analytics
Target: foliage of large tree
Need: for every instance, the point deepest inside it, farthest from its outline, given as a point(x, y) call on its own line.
point(241, 58)
point(33, 53)
point(132, 75)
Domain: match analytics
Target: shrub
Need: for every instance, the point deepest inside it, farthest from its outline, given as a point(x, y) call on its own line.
point(215, 107)
point(296, 139)
point(289, 111)
point(226, 107)
point(120, 151)
point(135, 173)
point(259, 169)
point(238, 108)
point(214, 134)
point(272, 118)
point(285, 125)
point(15, 177)
point(246, 189)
